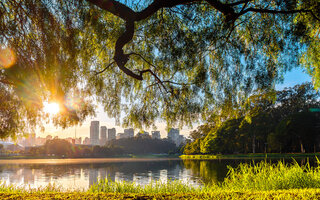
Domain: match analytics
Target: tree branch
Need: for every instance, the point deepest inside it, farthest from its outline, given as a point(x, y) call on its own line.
point(6, 82)
point(99, 72)
point(238, 3)
point(258, 10)
point(155, 76)
point(130, 17)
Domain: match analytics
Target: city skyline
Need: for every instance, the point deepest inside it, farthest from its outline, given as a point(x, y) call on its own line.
point(295, 76)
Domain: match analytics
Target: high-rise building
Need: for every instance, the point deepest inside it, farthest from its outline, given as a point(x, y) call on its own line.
point(155, 134)
point(181, 140)
point(94, 133)
point(111, 134)
point(173, 135)
point(103, 135)
point(129, 133)
point(121, 135)
point(86, 141)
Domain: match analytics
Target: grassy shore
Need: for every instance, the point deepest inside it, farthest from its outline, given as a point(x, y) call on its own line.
point(250, 156)
point(248, 181)
point(232, 195)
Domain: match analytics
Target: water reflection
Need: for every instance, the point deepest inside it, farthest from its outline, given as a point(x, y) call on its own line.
point(80, 175)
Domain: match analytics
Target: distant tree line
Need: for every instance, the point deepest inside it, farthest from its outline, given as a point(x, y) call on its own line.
point(144, 145)
point(136, 145)
point(274, 121)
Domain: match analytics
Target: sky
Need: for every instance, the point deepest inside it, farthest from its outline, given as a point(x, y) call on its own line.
point(295, 76)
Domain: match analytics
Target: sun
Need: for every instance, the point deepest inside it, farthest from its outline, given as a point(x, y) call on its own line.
point(51, 108)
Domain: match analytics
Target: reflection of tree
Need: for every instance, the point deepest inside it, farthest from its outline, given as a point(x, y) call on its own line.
point(212, 171)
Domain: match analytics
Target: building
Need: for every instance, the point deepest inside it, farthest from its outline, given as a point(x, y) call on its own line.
point(173, 134)
point(143, 134)
point(103, 135)
point(181, 140)
point(155, 134)
point(78, 140)
point(94, 133)
point(29, 141)
point(129, 133)
point(111, 134)
point(86, 141)
point(121, 136)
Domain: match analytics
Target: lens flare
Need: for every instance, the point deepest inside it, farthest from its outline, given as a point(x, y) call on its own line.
point(51, 108)
point(7, 58)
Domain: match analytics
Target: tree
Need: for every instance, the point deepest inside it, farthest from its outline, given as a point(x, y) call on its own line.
point(58, 147)
point(177, 60)
point(282, 125)
point(298, 132)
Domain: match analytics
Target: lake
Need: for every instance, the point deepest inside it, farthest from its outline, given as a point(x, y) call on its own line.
point(81, 173)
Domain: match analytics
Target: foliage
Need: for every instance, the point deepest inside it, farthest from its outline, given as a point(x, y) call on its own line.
point(297, 132)
point(174, 60)
point(137, 145)
point(267, 176)
point(192, 147)
point(264, 124)
point(143, 145)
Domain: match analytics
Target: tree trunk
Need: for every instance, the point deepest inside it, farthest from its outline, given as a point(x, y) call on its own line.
point(254, 143)
point(301, 146)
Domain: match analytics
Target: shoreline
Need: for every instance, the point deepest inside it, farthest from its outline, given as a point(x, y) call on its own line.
point(80, 160)
point(249, 156)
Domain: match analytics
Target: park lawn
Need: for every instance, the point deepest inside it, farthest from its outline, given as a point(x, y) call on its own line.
point(221, 194)
point(249, 156)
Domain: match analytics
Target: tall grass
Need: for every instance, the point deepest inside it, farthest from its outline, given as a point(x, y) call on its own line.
point(267, 176)
point(262, 176)
point(155, 187)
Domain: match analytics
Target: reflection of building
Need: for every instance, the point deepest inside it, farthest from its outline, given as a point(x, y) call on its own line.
point(155, 134)
point(111, 134)
point(128, 133)
point(28, 176)
point(103, 135)
point(93, 176)
point(94, 133)
point(173, 173)
point(102, 173)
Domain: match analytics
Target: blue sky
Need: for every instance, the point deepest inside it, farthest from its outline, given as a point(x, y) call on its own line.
point(294, 77)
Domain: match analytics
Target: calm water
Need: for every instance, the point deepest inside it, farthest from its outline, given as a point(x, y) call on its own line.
point(81, 173)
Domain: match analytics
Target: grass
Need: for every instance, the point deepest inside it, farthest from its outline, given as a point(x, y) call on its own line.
point(262, 180)
point(249, 156)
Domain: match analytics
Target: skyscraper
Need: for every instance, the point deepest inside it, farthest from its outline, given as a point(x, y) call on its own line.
point(155, 134)
point(173, 135)
point(103, 135)
point(94, 133)
point(111, 134)
point(129, 133)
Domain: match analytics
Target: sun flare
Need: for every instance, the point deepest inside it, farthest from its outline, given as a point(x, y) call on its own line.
point(51, 108)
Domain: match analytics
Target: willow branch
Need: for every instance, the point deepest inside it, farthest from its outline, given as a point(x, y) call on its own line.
point(99, 72)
